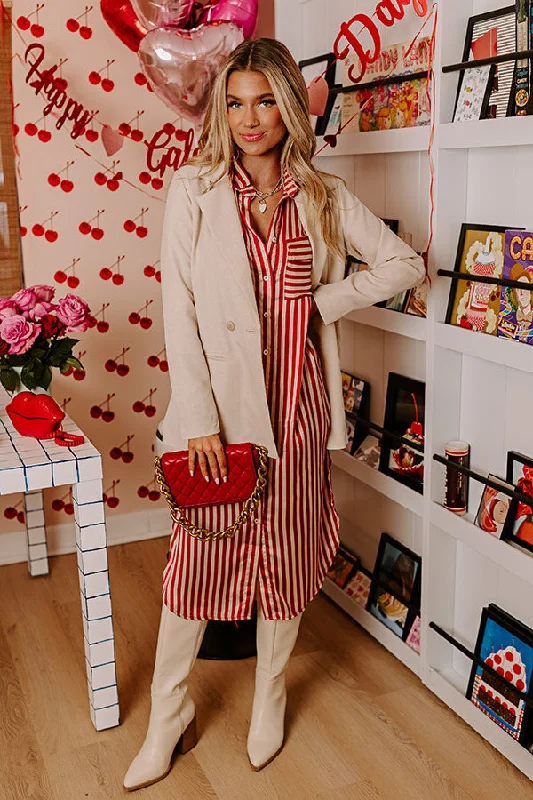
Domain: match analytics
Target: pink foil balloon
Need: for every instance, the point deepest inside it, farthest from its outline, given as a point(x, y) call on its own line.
point(158, 13)
point(182, 65)
point(242, 12)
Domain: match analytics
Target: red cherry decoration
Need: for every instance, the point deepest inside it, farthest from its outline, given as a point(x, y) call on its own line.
point(107, 85)
point(37, 30)
point(127, 457)
point(23, 23)
point(102, 326)
point(108, 416)
point(16, 129)
point(67, 185)
point(69, 509)
point(169, 128)
point(145, 323)
point(95, 412)
point(23, 230)
point(57, 504)
point(94, 78)
point(149, 271)
point(110, 365)
point(20, 516)
point(118, 279)
point(144, 177)
point(79, 375)
point(60, 276)
point(142, 491)
point(158, 276)
point(115, 453)
point(44, 136)
point(129, 226)
point(10, 512)
point(137, 136)
point(38, 229)
point(157, 183)
point(124, 128)
point(152, 361)
point(100, 178)
point(163, 366)
point(30, 128)
point(73, 281)
point(138, 406)
point(139, 78)
point(68, 372)
point(113, 185)
point(105, 273)
point(72, 25)
point(122, 370)
point(97, 233)
point(141, 231)
point(86, 32)
point(150, 411)
point(134, 318)
point(51, 236)
point(85, 228)
point(54, 179)
point(91, 135)
point(61, 84)
point(154, 495)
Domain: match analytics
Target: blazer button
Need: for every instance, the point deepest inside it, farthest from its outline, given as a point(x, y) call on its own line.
point(230, 326)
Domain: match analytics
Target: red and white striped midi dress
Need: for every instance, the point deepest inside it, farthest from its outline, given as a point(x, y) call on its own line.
point(287, 548)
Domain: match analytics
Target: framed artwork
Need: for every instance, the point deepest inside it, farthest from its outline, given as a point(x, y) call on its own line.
point(343, 566)
point(515, 320)
point(417, 298)
point(353, 391)
point(475, 305)
point(519, 522)
point(395, 592)
point(505, 645)
point(494, 33)
point(494, 508)
point(413, 637)
point(475, 86)
point(404, 416)
point(358, 587)
point(356, 395)
point(312, 68)
point(368, 451)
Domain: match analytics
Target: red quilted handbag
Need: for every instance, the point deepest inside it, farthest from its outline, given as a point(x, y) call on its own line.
point(247, 475)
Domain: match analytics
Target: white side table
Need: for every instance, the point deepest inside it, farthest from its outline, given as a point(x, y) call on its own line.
point(31, 465)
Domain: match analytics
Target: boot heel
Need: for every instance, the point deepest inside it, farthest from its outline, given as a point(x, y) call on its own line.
point(189, 738)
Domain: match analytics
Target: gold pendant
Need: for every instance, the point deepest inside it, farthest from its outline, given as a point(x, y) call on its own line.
point(262, 206)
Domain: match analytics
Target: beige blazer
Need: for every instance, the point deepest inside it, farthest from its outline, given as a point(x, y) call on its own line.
point(212, 327)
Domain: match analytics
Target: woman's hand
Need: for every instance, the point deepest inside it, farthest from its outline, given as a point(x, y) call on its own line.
point(209, 450)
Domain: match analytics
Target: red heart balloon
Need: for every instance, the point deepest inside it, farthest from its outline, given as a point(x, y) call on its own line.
point(123, 21)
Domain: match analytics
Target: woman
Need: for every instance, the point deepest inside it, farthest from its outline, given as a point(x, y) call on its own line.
point(254, 248)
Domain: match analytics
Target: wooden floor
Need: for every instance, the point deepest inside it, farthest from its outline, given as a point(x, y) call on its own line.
point(360, 725)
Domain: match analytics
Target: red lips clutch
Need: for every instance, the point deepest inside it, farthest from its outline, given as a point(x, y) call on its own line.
point(39, 415)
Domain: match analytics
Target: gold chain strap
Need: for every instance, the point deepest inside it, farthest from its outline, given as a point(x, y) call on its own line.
point(228, 533)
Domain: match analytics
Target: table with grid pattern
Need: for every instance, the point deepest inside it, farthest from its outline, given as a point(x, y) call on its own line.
point(30, 465)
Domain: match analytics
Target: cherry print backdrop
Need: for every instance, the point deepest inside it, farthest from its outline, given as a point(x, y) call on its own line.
point(91, 214)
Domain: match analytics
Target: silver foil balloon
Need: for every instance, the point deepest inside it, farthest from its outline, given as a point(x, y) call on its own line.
point(157, 13)
point(181, 66)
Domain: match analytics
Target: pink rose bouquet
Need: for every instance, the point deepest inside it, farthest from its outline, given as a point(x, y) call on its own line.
point(33, 336)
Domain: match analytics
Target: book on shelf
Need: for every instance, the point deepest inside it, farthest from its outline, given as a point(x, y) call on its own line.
point(522, 88)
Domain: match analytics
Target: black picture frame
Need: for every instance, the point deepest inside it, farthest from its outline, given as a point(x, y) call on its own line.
point(391, 581)
point(328, 61)
point(510, 532)
point(343, 567)
point(516, 631)
point(458, 286)
point(398, 417)
point(502, 94)
point(356, 395)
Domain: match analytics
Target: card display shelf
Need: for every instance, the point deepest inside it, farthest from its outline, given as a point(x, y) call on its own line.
point(403, 140)
point(384, 484)
point(515, 355)
point(373, 626)
point(508, 556)
point(450, 687)
point(504, 132)
point(391, 321)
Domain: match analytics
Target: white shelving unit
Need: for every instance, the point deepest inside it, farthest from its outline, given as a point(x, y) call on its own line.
point(478, 387)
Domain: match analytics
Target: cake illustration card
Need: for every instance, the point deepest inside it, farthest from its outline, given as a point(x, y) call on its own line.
point(358, 587)
point(516, 304)
point(494, 508)
point(475, 305)
point(496, 687)
point(519, 522)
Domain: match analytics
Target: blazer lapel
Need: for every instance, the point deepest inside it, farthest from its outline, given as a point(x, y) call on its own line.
point(222, 218)
point(320, 252)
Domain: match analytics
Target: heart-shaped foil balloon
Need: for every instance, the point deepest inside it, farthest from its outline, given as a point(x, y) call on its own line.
point(242, 12)
point(182, 65)
point(158, 13)
point(123, 21)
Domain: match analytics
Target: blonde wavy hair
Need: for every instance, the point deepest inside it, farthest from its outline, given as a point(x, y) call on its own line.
point(217, 147)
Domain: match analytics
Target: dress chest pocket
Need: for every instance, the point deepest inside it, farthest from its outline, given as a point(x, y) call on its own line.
point(298, 268)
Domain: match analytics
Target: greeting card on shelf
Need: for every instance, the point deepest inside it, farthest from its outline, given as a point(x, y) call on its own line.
point(515, 319)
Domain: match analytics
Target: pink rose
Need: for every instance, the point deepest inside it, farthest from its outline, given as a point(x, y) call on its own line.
point(25, 299)
point(73, 312)
point(42, 308)
point(19, 334)
point(44, 292)
point(7, 308)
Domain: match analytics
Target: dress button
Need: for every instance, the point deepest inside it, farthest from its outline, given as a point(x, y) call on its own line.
point(266, 352)
point(230, 326)
point(266, 314)
point(257, 520)
point(265, 277)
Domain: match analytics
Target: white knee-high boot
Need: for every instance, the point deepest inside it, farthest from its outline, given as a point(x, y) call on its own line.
point(172, 716)
point(275, 643)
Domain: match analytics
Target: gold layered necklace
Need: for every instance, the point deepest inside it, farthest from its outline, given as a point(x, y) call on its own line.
point(262, 196)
